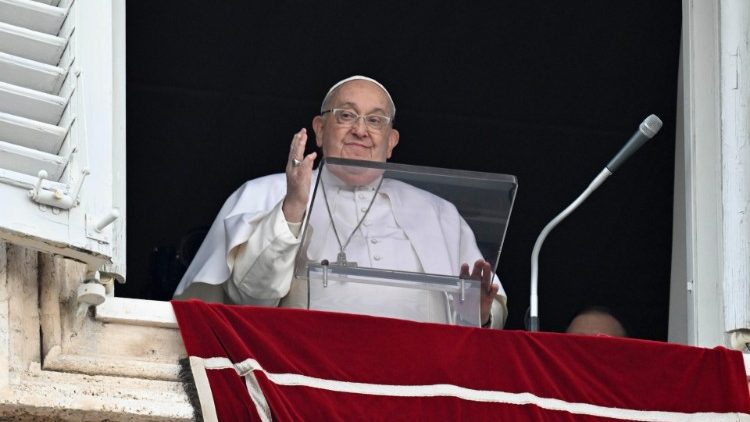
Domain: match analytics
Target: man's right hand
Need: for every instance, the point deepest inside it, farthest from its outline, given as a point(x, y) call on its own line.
point(298, 173)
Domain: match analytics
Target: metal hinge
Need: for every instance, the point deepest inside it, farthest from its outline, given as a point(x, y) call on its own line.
point(57, 198)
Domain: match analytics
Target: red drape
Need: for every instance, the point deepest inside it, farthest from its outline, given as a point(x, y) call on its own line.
point(307, 365)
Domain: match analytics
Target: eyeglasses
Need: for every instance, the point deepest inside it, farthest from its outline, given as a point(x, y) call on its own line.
point(346, 117)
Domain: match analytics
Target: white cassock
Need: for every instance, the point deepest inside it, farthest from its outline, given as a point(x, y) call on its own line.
point(250, 249)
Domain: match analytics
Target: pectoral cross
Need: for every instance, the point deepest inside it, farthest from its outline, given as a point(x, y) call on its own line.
point(341, 260)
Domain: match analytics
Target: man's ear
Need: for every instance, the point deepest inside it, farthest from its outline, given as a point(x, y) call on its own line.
point(392, 142)
point(317, 124)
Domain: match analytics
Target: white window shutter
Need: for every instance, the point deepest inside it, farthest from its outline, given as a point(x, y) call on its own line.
point(62, 116)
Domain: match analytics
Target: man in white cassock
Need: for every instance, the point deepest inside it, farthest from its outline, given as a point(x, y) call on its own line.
point(249, 253)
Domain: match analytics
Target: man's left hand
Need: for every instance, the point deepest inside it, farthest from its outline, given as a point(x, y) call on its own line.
point(482, 271)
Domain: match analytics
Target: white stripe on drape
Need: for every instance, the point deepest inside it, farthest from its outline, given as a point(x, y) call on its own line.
point(205, 396)
point(246, 367)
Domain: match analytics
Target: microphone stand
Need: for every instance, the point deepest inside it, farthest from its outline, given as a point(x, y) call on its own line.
point(534, 306)
point(647, 129)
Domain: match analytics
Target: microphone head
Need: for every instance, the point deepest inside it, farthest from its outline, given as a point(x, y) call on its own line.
point(651, 126)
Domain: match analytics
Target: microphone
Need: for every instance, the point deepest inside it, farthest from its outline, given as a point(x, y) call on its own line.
point(647, 129)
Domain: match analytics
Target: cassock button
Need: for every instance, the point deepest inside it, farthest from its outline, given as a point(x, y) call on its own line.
point(363, 209)
point(377, 257)
point(374, 241)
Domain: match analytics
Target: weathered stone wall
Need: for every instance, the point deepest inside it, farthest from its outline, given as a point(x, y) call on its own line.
point(58, 362)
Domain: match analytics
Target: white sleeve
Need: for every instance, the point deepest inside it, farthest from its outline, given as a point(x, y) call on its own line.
point(263, 266)
point(499, 310)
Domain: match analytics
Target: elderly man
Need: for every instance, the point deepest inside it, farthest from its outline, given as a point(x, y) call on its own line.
point(251, 247)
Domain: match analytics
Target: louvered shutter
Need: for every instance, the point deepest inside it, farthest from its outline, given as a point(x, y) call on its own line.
point(62, 116)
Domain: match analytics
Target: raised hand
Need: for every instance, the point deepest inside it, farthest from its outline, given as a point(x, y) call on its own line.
point(298, 174)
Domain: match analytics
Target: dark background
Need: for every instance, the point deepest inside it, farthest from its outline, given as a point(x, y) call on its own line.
point(546, 91)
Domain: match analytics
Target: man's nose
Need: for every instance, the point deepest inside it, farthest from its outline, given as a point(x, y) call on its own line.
point(359, 127)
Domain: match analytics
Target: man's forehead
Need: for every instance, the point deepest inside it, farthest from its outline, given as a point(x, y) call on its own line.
point(346, 89)
point(352, 92)
point(358, 78)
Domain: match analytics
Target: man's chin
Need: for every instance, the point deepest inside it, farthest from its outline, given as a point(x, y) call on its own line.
point(354, 175)
point(353, 152)
point(365, 155)
point(357, 153)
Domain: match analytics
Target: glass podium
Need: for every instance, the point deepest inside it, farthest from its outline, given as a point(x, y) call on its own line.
point(389, 239)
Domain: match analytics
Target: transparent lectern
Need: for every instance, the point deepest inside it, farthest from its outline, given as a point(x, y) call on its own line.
point(389, 239)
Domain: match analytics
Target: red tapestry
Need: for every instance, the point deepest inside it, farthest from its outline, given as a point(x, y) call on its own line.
point(259, 364)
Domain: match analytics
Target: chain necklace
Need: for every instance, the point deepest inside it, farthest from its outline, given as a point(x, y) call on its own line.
point(341, 257)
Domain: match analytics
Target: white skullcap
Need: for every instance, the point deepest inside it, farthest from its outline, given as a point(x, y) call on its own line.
point(358, 78)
